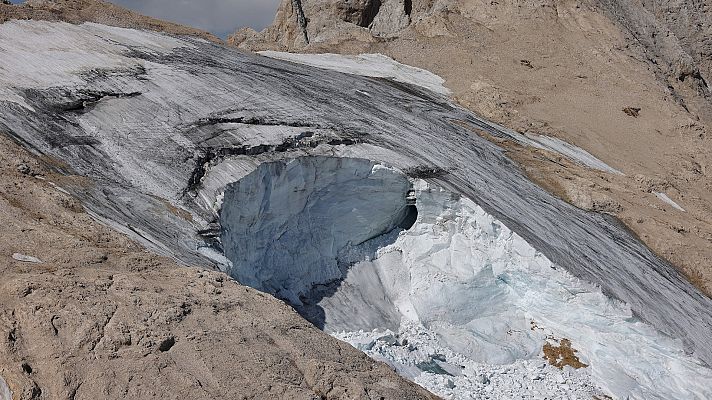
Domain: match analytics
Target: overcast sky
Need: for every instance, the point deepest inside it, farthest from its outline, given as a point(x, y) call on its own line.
point(221, 17)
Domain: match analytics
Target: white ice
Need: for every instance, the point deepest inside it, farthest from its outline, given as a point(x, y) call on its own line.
point(5, 393)
point(373, 65)
point(669, 201)
point(26, 258)
point(489, 299)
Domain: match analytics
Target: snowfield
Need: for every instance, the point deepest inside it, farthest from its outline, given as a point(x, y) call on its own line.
point(373, 65)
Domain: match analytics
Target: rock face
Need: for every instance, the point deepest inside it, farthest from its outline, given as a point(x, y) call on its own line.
point(569, 70)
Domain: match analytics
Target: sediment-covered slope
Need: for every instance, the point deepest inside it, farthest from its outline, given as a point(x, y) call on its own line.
point(162, 125)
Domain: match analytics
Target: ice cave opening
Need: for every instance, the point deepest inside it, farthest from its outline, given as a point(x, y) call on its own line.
point(292, 225)
point(428, 282)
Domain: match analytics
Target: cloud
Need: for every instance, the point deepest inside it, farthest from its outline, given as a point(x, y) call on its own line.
point(221, 17)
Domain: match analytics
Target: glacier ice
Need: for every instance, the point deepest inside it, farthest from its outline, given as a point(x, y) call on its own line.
point(486, 297)
point(323, 233)
point(286, 225)
point(381, 66)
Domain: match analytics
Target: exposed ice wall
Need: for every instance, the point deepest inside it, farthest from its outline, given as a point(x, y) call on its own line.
point(286, 225)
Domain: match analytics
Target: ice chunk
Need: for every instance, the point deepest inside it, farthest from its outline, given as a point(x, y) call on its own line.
point(25, 258)
point(668, 200)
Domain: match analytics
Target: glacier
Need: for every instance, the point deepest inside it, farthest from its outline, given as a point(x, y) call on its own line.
point(160, 123)
point(487, 298)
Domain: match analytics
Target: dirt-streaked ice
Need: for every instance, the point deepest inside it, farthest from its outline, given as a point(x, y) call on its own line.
point(381, 66)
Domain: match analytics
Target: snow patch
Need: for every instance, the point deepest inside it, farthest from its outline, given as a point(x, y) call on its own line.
point(26, 258)
point(555, 145)
point(373, 65)
point(668, 200)
point(573, 152)
point(5, 393)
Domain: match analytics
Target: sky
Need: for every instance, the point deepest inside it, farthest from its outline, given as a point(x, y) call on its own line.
point(221, 17)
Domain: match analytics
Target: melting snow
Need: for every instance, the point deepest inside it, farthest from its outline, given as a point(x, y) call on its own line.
point(25, 258)
point(5, 393)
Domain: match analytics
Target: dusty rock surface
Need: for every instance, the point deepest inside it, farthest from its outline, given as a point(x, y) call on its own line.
point(570, 69)
point(100, 317)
